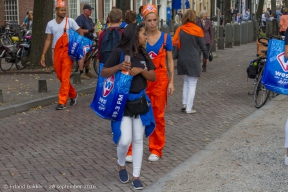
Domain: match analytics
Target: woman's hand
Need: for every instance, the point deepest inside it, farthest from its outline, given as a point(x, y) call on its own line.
point(206, 61)
point(125, 66)
point(135, 71)
point(170, 89)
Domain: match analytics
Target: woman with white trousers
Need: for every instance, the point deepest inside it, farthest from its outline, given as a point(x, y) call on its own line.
point(189, 38)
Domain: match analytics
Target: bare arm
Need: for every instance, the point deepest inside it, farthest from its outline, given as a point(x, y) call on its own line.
point(45, 49)
point(80, 32)
point(171, 73)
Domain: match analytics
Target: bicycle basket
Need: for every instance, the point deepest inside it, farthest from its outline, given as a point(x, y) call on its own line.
point(12, 48)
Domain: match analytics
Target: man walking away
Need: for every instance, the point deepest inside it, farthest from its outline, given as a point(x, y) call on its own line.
point(110, 38)
point(87, 26)
point(57, 30)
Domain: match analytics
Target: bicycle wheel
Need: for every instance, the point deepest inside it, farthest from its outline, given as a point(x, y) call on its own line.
point(95, 65)
point(6, 62)
point(21, 63)
point(261, 94)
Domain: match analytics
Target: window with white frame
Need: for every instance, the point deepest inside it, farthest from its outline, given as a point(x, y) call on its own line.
point(11, 10)
point(93, 15)
point(73, 9)
point(107, 8)
point(138, 4)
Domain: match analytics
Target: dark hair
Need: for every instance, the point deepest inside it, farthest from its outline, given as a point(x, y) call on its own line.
point(130, 16)
point(140, 9)
point(129, 41)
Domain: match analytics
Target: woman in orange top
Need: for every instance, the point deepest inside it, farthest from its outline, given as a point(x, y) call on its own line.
point(283, 22)
point(159, 47)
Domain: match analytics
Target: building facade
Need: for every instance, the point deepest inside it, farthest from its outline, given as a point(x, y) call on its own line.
point(10, 9)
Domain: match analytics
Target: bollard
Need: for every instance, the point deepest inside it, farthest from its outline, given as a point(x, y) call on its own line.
point(172, 23)
point(256, 30)
point(165, 28)
point(269, 29)
point(243, 33)
point(42, 85)
point(76, 78)
point(236, 34)
point(1, 96)
point(249, 32)
point(275, 27)
point(228, 35)
point(220, 43)
point(161, 23)
point(213, 48)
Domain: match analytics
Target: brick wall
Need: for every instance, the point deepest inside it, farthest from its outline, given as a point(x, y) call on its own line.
point(100, 10)
point(24, 7)
point(2, 17)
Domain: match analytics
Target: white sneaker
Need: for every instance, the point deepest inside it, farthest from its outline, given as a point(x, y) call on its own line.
point(153, 157)
point(129, 159)
point(286, 160)
point(190, 112)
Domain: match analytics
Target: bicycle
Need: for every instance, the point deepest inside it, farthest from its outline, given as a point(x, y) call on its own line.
point(14, 53)
point(93, 55)
point(261, 94)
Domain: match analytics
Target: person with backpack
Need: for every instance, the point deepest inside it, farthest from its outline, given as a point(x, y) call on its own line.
point(111, 36)
point(159, 47)
point(135, 122)
point(87, 26)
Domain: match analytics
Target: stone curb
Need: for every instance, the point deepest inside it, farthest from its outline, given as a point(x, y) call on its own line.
point(208, 150)
point(45, 101)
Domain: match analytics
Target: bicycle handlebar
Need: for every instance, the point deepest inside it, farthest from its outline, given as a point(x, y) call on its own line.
point(263, 43)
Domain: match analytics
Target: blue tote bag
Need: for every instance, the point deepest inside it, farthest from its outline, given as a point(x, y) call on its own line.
point(78, 45)
point(111, 94)
point(275, 76)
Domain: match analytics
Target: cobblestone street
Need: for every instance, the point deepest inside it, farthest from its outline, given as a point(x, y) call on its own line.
point(74, 147)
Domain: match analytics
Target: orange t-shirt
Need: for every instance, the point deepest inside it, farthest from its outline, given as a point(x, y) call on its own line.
point(283, 22)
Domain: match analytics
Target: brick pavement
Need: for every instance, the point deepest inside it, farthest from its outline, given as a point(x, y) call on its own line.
point(74, 146)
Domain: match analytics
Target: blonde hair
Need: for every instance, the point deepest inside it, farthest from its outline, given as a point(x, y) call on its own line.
point(189, 16)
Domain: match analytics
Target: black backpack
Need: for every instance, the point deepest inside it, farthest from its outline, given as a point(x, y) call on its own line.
point(110, 40)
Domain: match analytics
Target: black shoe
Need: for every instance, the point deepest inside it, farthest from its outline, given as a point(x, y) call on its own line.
point(60, 107)
point(204, 69)
point(73, 101)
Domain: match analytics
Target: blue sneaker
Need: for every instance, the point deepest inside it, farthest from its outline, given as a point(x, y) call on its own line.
point(137, 184)
point(123, 176)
